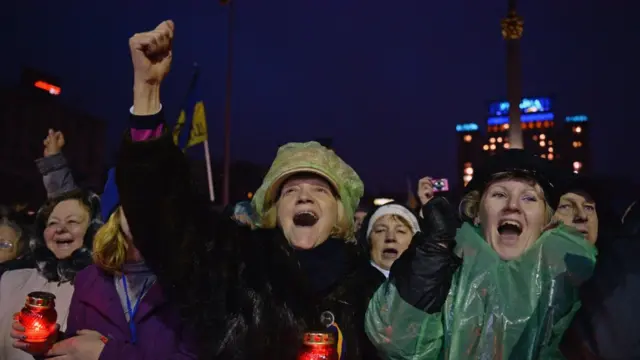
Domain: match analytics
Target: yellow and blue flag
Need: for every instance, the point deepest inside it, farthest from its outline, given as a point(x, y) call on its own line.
point(191, 128)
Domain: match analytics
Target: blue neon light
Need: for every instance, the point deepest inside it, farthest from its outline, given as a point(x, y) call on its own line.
point(467, 127)
point(577, 118)
point(499, 120)
point(527, 106)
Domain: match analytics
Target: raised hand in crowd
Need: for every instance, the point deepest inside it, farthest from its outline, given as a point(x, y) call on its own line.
point(425, 190)
point(53, 143)
point(151, 53)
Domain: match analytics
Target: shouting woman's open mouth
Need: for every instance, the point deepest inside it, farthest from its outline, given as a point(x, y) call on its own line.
point(305, 218)
point(509, 231)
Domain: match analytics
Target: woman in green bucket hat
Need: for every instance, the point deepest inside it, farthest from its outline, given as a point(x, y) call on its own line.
point(297, 271)
point(246, 292)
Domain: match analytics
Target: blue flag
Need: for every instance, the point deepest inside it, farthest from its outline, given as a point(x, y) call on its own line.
point(191, 128)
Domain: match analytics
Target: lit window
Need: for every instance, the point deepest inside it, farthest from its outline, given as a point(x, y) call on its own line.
point(550, 156)
point(506, 145)
point(505, 126)
point(485, 147)
point(466, 179)
point(492, 140)
point(535, 137)
point(550, 142)
point(550, 149)
point(577, 129)
point(468, 171)
point(577, 165)
point(543, 136)
point(250, 195)
point(499, 139)
point(467, 164)
point(542, 143)
point(577, 144)
point(544, 156)
point(538, 124)
point(467, 138)
point(492, 147)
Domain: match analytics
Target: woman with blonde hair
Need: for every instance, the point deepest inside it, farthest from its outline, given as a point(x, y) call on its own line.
point(118, 311)
point(516, 290)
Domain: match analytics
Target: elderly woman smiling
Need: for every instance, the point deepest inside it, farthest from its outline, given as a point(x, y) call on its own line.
point(517, 288)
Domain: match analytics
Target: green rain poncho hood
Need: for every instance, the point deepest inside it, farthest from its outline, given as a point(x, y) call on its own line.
point(496, 309)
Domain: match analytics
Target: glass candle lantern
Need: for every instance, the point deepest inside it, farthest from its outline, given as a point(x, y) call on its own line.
point(318, 346)
point(38, 316)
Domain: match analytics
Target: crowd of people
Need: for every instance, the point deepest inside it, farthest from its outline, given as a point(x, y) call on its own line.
point(531, 264)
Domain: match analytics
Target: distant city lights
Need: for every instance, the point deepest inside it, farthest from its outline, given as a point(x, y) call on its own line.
point(381, 201)
point(467, 127)
point(527, 106)
point(577, 118)
point(526, 118)
point(577, 165)
point(50, 88)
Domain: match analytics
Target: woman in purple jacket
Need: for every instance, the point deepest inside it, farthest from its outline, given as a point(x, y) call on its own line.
point(119, 300)
point(109, 294)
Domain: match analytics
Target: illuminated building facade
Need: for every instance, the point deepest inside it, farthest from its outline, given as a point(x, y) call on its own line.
point(561, 140)
point(537, 123)
point(575, 145)
point(470, 140)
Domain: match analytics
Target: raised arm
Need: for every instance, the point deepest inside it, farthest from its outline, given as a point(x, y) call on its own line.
point(167, 220)
point(404, 318)
point(53, 166)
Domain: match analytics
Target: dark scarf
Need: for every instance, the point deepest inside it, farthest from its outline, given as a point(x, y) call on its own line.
point(39, 256)
point(325, 264)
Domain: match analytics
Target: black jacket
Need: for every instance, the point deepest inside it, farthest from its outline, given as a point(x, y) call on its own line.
point(248, 293)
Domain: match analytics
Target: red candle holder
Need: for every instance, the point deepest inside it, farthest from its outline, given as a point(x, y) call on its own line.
point(318, 346)
point(38, 316)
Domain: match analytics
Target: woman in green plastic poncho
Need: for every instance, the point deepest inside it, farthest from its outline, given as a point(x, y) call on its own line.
point(513, 293)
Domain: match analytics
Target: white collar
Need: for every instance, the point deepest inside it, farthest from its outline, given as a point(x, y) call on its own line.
point(383, 271)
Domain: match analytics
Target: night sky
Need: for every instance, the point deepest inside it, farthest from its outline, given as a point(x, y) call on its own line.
point(388, 80)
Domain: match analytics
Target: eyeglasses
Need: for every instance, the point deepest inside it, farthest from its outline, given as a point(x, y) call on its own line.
point(6, 245)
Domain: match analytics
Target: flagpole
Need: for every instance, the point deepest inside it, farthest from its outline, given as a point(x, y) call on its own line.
point(227, 112)
point(207, 158)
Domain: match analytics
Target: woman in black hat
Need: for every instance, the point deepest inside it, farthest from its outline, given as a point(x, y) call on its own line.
point(517, 288)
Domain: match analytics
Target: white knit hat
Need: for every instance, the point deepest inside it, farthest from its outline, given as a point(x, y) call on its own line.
point(393, 209)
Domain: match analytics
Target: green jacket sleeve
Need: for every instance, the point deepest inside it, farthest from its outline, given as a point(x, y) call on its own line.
point(400, 331)
point(552, 350)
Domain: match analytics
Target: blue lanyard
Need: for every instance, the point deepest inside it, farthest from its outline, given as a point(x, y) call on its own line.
point(132, 312)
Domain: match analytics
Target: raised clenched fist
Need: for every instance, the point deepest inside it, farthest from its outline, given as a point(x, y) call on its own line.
point(53, 143)
point(151, 53)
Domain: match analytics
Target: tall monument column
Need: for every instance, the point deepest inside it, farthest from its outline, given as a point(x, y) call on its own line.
point(512, 28)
